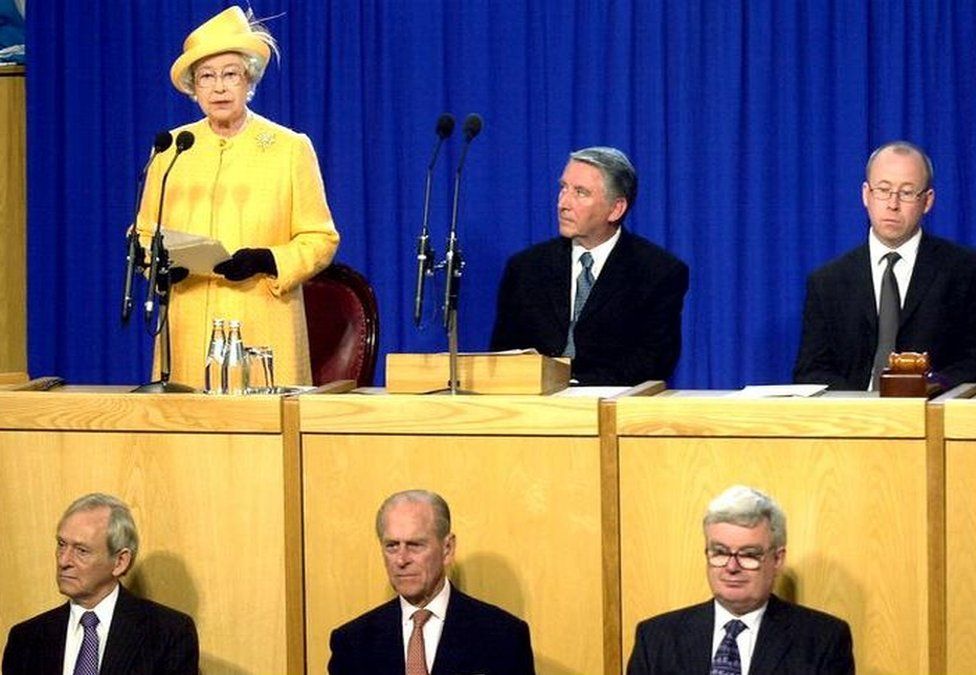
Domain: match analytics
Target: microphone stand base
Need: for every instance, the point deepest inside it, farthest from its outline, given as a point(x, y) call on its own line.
point(449, 392)
point(164, 387)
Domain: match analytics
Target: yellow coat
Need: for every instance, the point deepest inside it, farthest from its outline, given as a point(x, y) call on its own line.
point(258, 189)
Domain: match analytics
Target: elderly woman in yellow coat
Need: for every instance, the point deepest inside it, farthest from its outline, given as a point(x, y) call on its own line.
point(251, 184)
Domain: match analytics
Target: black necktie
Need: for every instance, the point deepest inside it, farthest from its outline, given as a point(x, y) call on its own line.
point(889, 313)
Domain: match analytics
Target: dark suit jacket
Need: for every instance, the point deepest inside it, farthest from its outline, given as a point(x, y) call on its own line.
point(792, 640)
point(630, 328)
point(840, 319)
point(477, 638)
point(144, 637)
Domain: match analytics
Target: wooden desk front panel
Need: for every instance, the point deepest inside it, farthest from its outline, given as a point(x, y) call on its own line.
point(209, 511)
point(526, 512)
point(856, 511)
point(960, 432)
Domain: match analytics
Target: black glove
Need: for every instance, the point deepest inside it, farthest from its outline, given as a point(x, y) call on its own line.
point(177, 274)
point(247, 262)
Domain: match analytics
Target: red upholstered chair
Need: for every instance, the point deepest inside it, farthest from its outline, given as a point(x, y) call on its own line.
point(343, 325)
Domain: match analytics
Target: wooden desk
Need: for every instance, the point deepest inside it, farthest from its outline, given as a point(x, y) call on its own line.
point(522, 477)
point(853, 476)
point(960, 501)
point(208, 480)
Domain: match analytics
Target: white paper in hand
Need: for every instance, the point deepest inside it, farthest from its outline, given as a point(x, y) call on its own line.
point(197, 254)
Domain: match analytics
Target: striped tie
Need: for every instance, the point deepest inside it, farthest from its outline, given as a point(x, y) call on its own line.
point(584, 284)
point(87, 663)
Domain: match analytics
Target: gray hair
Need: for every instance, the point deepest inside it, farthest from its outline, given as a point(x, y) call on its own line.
point(619, 175)
point(121, 527)
point(903, 148)
point(748, 507)
point(442, 513)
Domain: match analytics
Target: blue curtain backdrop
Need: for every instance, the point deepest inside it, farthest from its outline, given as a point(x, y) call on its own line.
point(749, 123)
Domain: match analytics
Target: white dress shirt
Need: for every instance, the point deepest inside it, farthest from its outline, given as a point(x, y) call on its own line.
point(432, 629)
point(76, 632)
point(746, 640)
point(902, 268)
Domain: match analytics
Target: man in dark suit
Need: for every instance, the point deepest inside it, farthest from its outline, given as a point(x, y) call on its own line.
point(744, 628)
point(932, 289)
point(103, 628)
point(431, 626)
point(599, 294)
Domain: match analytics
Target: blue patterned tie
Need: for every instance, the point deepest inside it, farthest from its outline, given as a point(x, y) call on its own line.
point(87, 663)
point(584, 284)
point(726, 661)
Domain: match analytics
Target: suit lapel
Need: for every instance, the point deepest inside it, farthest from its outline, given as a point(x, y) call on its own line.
point(774, 637)
point(612, 277)
point(923, 277)
point(559, 262)
point(863, 289)
point(55, 632)
point(125, 635)
point(695, 642)
point(387, 641)
point(450, 649)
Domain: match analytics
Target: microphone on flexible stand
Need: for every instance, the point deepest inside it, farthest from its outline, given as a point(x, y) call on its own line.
point(452, 259)
point(159, 281)
point(425, 255)
point(163, 140)
point(453, 264)
point(184, 141)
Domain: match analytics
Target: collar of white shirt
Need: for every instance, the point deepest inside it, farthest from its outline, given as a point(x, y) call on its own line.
point(746, 640)
point(434, 626)
point(908, 251)
point(600, 254)
point(104, 610)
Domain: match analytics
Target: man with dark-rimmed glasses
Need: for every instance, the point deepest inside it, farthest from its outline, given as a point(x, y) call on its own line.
point(902, 290)
point(744, 628)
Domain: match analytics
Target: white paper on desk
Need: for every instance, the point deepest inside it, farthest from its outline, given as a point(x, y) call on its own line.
point(197, 254)
point(778, 391)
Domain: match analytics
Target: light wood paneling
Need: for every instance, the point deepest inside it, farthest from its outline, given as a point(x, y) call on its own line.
point(526, 511)
point(13, 219)
point(671, 415)
point(105, 408)
point(857, 512)
point(960, 422)
point(432, 415)
point(211, 513)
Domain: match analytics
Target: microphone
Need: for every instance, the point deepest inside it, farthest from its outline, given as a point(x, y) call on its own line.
point(163, 140)
point(184, 141)
point(452, 259)
point(425, 255)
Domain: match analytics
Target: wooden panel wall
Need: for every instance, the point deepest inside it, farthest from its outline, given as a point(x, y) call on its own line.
point(525, 509)
point(13, 219)
point(209, 508)
point(856, 506)
point(960, 421)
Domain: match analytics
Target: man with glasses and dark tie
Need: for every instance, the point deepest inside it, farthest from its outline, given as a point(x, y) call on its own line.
point(599, 294)
point(903, 290)
point(744, 628)
point(104, 628)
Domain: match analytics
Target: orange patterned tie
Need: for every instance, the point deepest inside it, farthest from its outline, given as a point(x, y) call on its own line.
point(416, 659)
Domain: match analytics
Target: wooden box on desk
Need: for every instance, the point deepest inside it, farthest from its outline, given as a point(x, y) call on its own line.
point(477, 373)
